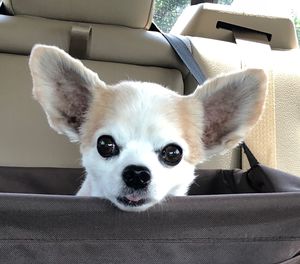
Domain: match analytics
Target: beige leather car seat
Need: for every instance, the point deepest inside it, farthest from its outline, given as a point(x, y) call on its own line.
point(120, 46)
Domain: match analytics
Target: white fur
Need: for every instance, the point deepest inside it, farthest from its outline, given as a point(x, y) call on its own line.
point(142, 118)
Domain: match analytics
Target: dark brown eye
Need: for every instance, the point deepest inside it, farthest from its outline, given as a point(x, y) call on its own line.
point(171, 154)
point(107, 146)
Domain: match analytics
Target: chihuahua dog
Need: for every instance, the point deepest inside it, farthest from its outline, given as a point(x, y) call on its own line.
point(140, 141)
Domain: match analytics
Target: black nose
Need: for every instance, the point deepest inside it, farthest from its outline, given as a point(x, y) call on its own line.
point(136, 177)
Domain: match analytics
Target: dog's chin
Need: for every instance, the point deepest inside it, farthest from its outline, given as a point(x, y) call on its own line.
point(129, 204)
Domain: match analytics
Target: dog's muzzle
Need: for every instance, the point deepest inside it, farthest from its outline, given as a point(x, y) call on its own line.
point(136, 179)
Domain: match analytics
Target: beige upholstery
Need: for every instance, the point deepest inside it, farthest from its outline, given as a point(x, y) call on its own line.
point(129, 13)
point(218, 52)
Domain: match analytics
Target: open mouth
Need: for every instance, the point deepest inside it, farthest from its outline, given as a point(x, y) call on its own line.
point(131, 200)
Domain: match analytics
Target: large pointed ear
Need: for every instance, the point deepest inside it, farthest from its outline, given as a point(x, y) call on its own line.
point(232, 104)
point(63, 86)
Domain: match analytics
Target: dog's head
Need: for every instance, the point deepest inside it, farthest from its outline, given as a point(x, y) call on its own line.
point(140, 141)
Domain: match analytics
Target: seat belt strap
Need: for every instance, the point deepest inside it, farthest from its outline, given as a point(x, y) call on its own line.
point(186, 56)
point(184, 53)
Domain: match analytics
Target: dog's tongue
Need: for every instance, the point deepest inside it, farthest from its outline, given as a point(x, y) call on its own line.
point(133, 198)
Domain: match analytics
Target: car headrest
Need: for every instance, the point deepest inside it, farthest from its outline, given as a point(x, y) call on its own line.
point(131, 13)
point(217, 21)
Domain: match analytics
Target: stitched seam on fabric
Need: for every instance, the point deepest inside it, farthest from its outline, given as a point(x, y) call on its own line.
point(81, 21)
point(110, 61)
point(183, 241)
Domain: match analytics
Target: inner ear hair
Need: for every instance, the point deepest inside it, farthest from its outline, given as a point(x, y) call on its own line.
point(232, 104)
point(72, 103)
point(63, 86)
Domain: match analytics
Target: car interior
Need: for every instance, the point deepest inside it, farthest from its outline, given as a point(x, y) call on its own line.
point(40, 171)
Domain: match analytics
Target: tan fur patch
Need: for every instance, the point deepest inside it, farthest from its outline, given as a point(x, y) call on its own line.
point(190, 116)
point(97, 114)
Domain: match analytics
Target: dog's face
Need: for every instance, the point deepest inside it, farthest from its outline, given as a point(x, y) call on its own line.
point(139, 141)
